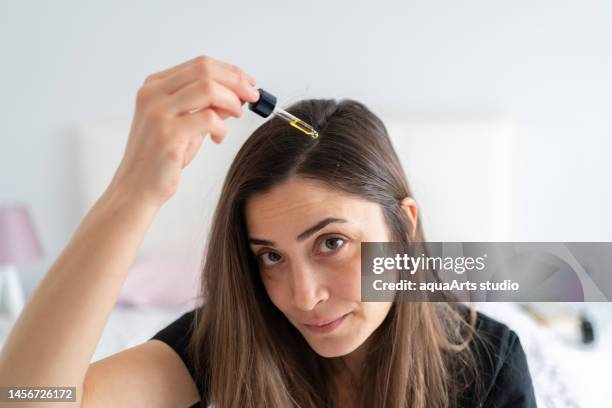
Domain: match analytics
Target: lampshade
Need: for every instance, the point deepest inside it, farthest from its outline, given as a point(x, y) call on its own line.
point(18, 240)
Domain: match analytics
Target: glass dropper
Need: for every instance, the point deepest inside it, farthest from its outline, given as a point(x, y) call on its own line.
point(266, 106)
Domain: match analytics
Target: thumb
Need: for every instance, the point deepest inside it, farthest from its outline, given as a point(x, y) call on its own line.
point(192, 149)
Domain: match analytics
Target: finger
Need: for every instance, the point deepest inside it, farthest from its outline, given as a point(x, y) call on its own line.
point(252, 80)
point(223, 114)
point(204, 94)
point(193, 148)
point(235, 68)
point(165, 73)
point(201, 123)
point(229, 75)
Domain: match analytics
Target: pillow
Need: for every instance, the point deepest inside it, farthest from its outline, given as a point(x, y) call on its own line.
point(162, 280)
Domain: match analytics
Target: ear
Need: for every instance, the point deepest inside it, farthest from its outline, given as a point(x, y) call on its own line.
point(410, 207)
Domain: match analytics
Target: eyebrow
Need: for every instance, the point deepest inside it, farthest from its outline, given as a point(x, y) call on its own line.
point(319, 225)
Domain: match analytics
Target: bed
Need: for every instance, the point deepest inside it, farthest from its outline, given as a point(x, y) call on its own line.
point(440, 152)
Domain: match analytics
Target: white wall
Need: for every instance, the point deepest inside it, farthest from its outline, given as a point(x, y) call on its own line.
point(545, 63)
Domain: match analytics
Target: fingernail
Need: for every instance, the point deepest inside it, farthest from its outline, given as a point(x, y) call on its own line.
point(251, 79)
point(255, 93)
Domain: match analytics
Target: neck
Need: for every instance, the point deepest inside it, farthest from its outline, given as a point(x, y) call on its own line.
point(350, 366)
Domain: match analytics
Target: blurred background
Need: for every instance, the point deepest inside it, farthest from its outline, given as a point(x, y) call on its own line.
point(501, 112)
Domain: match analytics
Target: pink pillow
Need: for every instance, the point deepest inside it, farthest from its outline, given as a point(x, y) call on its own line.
point(164, 280)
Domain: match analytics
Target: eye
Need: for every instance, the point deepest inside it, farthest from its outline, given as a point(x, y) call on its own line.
point(332, 244)
point(274, 257)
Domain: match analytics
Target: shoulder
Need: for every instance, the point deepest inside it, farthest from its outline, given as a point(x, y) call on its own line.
point(178, 332)
point(180, 327)
point(503, 371)
point(177, 335)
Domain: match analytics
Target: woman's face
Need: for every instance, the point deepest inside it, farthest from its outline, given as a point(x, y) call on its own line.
point(307, 238)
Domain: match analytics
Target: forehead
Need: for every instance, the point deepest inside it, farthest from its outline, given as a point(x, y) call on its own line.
point(300, 201)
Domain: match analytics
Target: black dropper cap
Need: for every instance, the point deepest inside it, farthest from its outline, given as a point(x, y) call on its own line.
point(265, 104)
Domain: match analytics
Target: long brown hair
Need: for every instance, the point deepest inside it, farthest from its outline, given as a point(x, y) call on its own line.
point(246, 353)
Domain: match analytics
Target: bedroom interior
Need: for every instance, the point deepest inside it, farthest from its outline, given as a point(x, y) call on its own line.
point(503, 134)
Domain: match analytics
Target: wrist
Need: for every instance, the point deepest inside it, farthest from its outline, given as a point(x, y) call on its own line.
point(118, 200)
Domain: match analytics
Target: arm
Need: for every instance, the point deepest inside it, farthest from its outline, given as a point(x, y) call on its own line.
point(148, 375)
point(54, 338)
point(56, 334)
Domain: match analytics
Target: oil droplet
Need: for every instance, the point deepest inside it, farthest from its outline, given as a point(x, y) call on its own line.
point(304, 127)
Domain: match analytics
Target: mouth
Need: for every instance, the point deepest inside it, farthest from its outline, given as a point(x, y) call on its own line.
point(325, 327)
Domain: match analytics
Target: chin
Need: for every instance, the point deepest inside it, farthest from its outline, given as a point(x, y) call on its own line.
point(330, 347)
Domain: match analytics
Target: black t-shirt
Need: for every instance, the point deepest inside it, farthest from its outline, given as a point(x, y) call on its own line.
point(505, 377)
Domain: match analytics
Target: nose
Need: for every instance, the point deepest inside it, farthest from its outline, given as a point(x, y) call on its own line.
point(308, 287)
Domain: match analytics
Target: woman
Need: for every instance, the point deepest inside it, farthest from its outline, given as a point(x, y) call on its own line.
point(282, 323)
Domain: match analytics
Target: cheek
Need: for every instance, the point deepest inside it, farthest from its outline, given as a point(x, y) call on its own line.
point(345, 282)
point(278, 291)
point(374, 313)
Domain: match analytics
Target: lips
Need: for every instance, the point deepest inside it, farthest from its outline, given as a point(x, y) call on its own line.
point(322, 322)
point(326, 326)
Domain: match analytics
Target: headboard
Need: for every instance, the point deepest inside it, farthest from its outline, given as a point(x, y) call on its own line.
point(458, 166)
